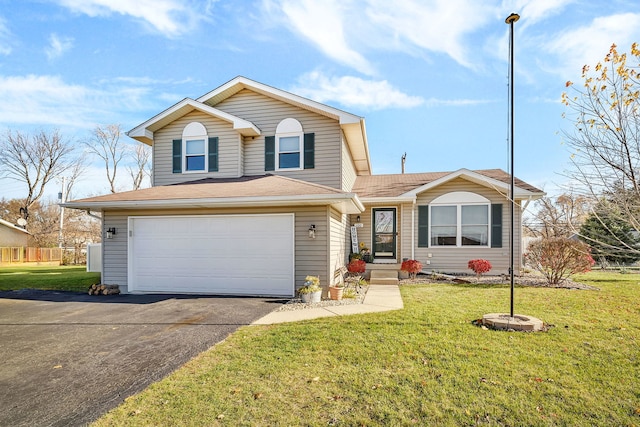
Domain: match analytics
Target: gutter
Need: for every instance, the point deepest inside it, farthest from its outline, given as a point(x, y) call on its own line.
point(261, 201)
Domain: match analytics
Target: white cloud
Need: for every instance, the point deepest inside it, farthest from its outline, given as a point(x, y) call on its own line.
point(42, 100)
point(323, 23)
point(58, 46)
point(589, 44)
point(169, 17)
point(354, 92)
point(534, 11)
point(439, 26)
point(346, 30)
point(5, 36)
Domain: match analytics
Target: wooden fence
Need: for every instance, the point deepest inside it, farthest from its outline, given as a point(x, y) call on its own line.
point(13, 255)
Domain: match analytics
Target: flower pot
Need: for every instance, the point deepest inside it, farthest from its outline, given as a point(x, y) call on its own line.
point(335, 292)
point(311, 297)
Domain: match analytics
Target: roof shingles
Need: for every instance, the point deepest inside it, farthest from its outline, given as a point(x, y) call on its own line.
point(398, 184)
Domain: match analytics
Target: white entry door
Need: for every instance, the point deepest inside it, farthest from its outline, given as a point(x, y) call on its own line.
point(212, 254)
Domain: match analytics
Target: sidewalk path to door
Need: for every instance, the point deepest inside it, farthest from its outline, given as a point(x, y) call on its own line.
point(378, 298)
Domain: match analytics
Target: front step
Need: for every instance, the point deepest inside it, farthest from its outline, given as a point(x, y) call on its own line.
point(384, 277)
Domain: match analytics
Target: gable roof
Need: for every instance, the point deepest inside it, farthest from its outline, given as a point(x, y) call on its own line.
point(246, 191)
point(352, 126)
point(408, 186)
point(144, 131)
point(12, 226)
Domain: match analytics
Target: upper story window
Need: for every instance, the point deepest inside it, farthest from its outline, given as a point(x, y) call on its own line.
point(194, 137)
point(196, 151)
point(460, 219)
point(289, 148)
point(289, 139)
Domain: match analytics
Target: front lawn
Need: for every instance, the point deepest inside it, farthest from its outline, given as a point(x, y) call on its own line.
point(63, 278)
point(424, 365)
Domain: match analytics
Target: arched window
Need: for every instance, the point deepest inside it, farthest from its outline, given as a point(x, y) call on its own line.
point(194, 147)
point(289, 149)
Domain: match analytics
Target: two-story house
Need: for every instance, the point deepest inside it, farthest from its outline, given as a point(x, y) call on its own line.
point(255, 188)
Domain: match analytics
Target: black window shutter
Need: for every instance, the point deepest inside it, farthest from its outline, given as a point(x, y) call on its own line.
point(423, 226)
point(213, 154)
point(309, 150)
point(496, 225)
point(269, 153)
point(177, 156)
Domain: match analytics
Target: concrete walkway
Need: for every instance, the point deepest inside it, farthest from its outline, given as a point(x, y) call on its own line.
point(378, 298)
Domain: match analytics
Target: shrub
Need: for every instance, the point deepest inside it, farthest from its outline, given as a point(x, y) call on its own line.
point(356, 266)
point(479, 266)
point(558, 258)
point(411, 266)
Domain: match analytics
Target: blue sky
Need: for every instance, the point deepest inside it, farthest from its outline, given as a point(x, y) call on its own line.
point(429, 76)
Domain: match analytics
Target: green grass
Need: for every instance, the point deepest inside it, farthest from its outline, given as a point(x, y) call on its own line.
point(63, 278)
point(424, 365)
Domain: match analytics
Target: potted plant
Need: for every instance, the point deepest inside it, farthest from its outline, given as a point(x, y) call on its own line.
point(335, 291)
point(311, 291)
point(365, 252)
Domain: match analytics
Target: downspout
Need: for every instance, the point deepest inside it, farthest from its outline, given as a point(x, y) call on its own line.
point(93, 215)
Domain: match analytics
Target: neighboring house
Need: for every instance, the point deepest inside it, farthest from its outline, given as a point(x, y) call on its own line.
point(12, 235)
point(255, 188)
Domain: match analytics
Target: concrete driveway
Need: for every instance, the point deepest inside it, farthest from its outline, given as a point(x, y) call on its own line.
point(67, 358)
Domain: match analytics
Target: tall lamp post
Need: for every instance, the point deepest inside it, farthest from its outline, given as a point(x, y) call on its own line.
point(511, 322)
point(511, 19)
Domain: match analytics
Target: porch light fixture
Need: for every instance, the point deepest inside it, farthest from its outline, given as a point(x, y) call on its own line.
point(111, 232)
point(312, 231)
point(358, 218)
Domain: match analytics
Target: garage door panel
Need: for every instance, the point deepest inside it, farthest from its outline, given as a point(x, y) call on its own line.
point(231, 254)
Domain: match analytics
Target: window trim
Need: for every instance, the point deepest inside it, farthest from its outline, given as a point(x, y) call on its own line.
point(460, 199)
point(195, 131)
point(288, 128)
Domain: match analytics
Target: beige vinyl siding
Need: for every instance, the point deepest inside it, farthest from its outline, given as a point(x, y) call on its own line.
point(228, 145)
point(266, 113)
point(339, 242)
point(348, 168)
point(310, 254)
point(404, 231)
point(455, 259)
point(114, 251)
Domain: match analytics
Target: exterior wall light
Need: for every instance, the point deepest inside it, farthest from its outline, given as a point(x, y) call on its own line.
point(312, 231)
point(111, 232)
point(358, 218)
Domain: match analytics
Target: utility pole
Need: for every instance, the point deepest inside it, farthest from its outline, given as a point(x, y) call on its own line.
point(62, 199)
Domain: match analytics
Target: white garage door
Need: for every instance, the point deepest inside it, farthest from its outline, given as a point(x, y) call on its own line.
point(221, 254)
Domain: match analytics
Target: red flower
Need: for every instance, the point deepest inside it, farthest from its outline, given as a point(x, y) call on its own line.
point(356, 266)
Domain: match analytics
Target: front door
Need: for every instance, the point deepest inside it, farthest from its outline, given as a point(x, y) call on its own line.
point(384, 233)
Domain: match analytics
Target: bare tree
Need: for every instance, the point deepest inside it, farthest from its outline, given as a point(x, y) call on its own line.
point(35, 160)
point(561, 216)
point(106, 144)
point(141, 156)
point(605, 141)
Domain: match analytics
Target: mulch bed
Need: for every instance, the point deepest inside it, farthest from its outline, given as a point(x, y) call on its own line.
point(522, 280)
